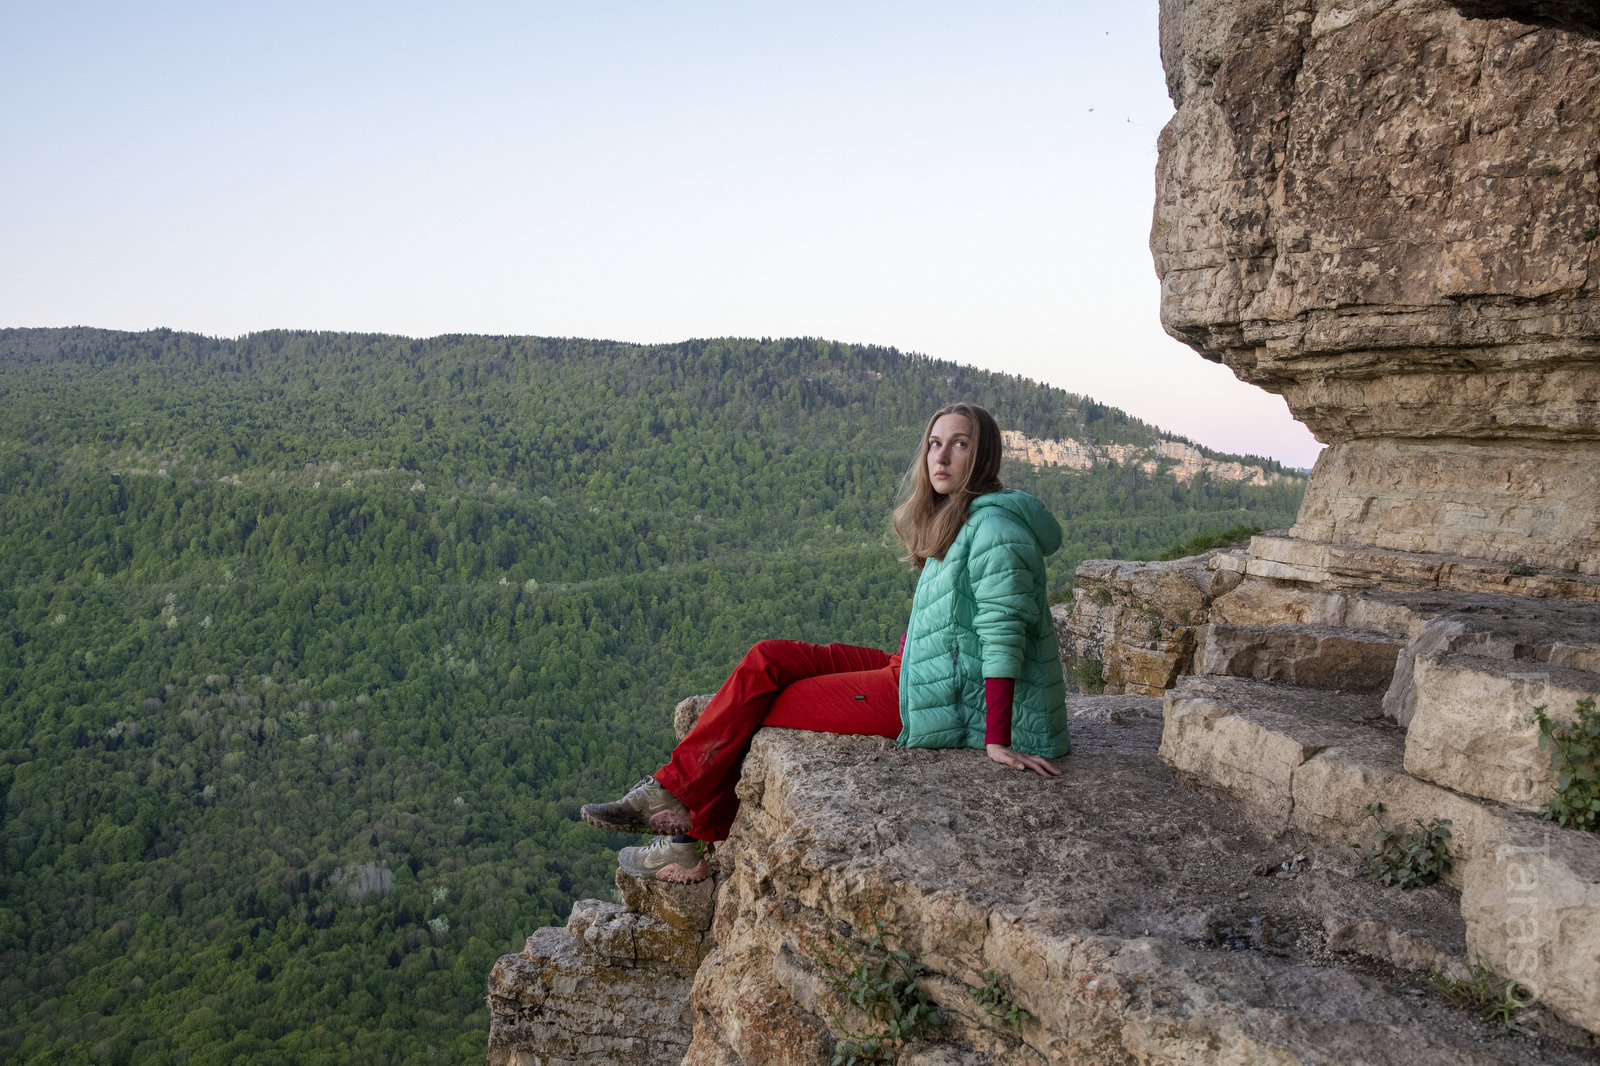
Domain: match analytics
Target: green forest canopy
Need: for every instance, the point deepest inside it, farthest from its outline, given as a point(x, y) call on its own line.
point(316, 642)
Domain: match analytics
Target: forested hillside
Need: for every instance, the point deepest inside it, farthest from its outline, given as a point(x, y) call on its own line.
point(314, 644)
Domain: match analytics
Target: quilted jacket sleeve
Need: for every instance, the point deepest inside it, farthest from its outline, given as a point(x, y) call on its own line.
point(1004, 560)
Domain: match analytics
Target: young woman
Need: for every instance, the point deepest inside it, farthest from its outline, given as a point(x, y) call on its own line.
point(978, 666)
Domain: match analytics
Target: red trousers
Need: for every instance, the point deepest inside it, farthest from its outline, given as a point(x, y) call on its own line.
point(828, 688)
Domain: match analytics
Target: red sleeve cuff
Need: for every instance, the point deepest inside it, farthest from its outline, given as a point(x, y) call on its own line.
point(998, 694)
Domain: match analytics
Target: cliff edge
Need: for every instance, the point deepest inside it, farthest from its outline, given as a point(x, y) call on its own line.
point(1130, 918)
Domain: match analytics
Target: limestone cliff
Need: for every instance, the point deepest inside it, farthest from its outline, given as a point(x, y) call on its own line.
point(1184, 461)
point(1131, 918)
point(1390, 214)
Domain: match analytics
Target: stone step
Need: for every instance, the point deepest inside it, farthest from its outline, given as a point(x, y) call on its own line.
point(1472, 727)
point(1534, 635)
point(1311, 656)
point(1277, 556)
point(1313, 764)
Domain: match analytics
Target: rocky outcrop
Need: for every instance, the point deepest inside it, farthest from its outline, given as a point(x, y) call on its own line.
point(1132, 625)
point(1390, 214)
point(612, 987)
point(1134, 921)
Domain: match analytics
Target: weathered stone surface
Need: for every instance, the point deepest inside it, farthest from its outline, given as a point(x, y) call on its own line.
point(612, 987)
point(562, 1002)
point(1249, 738)
point(1344, 567)
point(1138, 620)
point(1512, 502)
point(1352, 765)
point(688, 712)
point(1531, 901)
point(1549, 633)
point(1312, 656)
point(1384, 212)
point(1108, 898)
point(687, 907)
point(1472, 729)
point(1264, 602)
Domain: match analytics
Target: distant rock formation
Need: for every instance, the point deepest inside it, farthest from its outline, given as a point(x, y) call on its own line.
point(1183, 460)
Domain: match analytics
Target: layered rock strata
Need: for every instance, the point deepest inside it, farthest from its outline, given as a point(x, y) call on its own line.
point(611, 987)
point(1389, 213)
point(1133, 625)
point(1325, 770)
point(1134, 921)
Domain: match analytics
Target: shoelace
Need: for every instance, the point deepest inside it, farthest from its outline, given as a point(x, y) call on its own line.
point(661, 843)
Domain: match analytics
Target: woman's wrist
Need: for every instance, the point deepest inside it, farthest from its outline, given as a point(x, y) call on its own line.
point(998, 695)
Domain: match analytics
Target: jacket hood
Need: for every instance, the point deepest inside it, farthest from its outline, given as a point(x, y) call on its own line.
point(1027, 510)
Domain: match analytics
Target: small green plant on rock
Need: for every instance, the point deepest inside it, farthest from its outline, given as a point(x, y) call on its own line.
point(1413, 860)
point(1575, 757)
point(1088, 676)
point(1493, 998)
point(995, 999)
point(1102, 596)
point(881, 982)
point(1523, 568)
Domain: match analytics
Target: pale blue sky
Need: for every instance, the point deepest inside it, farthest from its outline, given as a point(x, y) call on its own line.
point(969, 181)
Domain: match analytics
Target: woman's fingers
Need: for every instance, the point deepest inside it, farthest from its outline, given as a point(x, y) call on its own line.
point(1037, 765)
point(1019, 761)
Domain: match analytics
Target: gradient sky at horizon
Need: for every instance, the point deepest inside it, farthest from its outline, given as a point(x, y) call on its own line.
point(973, 182)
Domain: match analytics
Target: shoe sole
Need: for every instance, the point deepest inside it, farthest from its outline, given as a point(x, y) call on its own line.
point(662, 823)
point(672, 873)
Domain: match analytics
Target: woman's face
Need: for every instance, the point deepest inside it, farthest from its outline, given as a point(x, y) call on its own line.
point(950, 448)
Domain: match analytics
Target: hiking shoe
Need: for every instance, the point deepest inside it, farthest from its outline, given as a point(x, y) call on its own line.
point(647, 808)
point(662, 860)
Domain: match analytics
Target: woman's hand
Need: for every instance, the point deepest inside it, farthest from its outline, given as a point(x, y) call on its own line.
point(1018, 761)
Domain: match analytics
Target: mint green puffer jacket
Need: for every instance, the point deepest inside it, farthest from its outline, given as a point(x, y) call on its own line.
point(982, 611)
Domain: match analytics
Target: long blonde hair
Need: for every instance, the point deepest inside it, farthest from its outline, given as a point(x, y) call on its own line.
point(926, 521)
